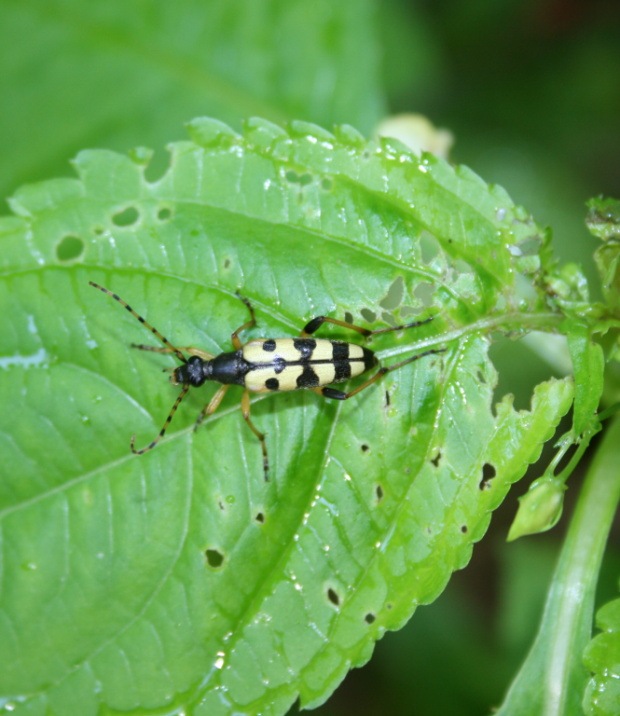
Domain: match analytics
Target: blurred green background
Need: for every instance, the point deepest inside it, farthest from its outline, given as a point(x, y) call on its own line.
point(530, 90)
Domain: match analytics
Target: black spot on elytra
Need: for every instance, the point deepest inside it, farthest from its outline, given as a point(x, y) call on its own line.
point(305, 346)
point(342, 370)
point(340, 350)
point(308, 378)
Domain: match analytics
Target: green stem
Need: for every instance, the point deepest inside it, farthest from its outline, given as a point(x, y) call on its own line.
point(552, 679)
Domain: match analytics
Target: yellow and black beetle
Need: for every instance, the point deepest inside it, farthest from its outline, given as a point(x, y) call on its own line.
point(269, 365)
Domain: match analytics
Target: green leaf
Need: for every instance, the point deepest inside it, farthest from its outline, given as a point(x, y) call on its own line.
point(120, 74)
point(602, 657)
point(181, 579)
point(603, 220)
point(588, 367)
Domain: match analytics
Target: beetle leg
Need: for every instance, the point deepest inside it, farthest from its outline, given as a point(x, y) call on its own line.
point(328, 392)
point(245, 409)
point(182, 394)
point(212, 405)
point(317, 322)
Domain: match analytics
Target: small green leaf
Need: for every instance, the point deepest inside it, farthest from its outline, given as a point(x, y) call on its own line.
point(603, 220)
point(602, 658)
point(180, 578)
point(588, 368)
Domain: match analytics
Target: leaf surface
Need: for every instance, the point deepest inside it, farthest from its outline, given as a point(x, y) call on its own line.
point(181, 578)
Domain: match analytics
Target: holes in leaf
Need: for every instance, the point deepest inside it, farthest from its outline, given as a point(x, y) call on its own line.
point(70, 248)
point(159, 163)
point(364, 447)
point(260, 518)
point(98, 230)
point(368, 315)
point(387, 399)
point(435, 460)
point(215, 558)
point(394, 296)
point(127, 217)
point(379, 493)
point(488, 473)
point(301, 179)
point(429, 247)
point(326, 184)
point(388, 318)
point(227, 263)
point(425, 292)
point(221, 505)
point(464, 529)
point(530, 246)
point(164, 214)
point(370, 618)
point(333, 597)
point(348, 317)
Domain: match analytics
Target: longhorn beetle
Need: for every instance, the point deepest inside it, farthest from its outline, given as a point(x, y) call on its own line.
point(270, 365)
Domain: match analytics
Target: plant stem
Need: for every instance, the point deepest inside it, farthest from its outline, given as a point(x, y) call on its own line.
point(552, 679)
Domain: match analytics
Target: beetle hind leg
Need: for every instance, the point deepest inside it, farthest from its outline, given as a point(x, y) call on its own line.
point(245, 409)
point(334, 394)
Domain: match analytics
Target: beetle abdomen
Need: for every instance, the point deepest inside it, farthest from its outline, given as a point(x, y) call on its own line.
point(294, 363)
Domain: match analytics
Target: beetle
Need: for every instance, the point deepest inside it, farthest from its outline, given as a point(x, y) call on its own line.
point(270, 365)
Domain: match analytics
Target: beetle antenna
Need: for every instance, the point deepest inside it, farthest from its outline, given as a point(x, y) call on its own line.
point(177, 402)
point(154, 331)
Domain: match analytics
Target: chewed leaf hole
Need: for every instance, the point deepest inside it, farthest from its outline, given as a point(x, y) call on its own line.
point(379, 493)
point(394, 295)
point(464, 529)
point(425, 293)
point(70, 248)
point(164, 214)
point(435, 460)
point(369, 618)
point(368, 315)
point(260, 518)
point(215, 558)
point(364, 447)
point(127, 217)
point(301, 179)
point(488, 473)
point(333, 597)
point(326, 184)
